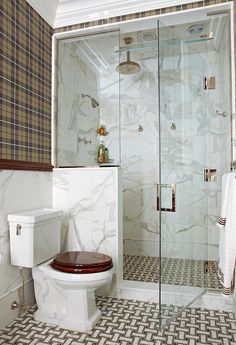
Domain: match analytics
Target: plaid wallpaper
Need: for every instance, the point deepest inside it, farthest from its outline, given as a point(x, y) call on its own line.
point(25, 132)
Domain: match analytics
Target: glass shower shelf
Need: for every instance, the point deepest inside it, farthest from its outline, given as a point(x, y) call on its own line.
point(163, 44)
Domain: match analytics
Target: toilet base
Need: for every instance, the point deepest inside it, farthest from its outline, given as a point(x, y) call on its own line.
point(81, 324)
point(82, 313)
point(65, 303)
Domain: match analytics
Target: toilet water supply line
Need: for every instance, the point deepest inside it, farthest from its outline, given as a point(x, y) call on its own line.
point(22, 306)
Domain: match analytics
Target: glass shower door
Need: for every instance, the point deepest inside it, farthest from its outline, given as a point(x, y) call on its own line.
point(139, 156)
point(181, 191)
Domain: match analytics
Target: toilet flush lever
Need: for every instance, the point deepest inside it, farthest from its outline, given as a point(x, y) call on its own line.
point(18, 229)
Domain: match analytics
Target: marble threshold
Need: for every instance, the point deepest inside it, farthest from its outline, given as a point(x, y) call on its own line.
point(171, 295)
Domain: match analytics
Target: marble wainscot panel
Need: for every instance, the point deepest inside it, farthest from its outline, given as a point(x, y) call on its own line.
point(78, 120)
point(19, 191)
point(91, 201)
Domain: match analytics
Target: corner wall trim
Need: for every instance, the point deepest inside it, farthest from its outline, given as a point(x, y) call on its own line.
point(22, 165)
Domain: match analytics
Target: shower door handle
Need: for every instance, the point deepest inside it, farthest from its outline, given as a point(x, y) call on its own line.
point(173, 197)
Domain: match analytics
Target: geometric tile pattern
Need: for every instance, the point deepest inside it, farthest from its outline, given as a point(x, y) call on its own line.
point(25, 69)
point(127, 322)
point(173, 271)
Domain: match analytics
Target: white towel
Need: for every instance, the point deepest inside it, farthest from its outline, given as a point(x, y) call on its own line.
point(227, 224)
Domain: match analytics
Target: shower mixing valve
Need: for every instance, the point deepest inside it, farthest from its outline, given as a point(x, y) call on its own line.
point(140, 128)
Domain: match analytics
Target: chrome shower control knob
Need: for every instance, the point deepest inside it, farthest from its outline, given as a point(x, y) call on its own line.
point(140, 128)
point(14, 305)
point(18, 229)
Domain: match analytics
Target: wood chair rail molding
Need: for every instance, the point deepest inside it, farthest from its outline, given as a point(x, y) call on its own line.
point(9, 164)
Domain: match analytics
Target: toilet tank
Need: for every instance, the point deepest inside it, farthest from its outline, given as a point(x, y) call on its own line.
point(34, 236)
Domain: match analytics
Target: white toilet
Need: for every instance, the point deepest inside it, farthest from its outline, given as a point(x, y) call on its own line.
point(64, 285)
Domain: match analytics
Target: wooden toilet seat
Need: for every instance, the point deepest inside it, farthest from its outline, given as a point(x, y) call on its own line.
point(82, 262)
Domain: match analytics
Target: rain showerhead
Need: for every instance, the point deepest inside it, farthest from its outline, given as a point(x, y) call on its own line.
point(94, 103)
point(128, 66)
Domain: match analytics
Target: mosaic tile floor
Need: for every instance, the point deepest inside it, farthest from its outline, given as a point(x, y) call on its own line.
point(127, 322)
point(174, 271)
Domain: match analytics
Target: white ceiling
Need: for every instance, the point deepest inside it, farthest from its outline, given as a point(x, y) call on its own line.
point(47, 9)
point(60, 13)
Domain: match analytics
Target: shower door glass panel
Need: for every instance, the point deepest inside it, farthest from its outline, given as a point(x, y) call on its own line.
point(182, 191)
point(88, 99)
point(139, 155)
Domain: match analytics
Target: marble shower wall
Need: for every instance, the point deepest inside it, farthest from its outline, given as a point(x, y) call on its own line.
point(77, 117)
point(183, 138)
point(183, 155)
point(89, 198)
point(109, 111)
point(139, 157)
point(219, 142)
point(19, 191)
point(201, 139)
point(139, 146)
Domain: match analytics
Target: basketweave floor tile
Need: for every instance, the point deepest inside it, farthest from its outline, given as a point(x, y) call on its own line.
point(174, 271)
point(129, 322)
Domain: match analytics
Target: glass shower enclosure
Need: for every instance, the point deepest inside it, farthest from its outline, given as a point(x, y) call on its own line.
point(157, 93)
point(164, 153)
point(174, 150)
point(183, 158)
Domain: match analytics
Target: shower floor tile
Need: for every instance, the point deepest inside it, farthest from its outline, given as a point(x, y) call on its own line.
point(128, 322)
point(174, 271)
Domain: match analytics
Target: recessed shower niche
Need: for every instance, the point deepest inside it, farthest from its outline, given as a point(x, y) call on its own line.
point(166, 123)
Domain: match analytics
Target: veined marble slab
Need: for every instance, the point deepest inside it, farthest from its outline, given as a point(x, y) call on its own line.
point(89, 198)
point(78, 119)
point(19, 191)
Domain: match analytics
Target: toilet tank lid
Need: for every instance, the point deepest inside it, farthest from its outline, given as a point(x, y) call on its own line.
point(33, 216)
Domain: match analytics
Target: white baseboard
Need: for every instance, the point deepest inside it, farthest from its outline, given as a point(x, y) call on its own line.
point(7, 315)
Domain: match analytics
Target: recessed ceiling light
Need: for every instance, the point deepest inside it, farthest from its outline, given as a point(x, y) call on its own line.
point(195, 29)
point(148, 36)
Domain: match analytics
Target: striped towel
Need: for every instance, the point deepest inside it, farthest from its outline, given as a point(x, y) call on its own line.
point(227, 224)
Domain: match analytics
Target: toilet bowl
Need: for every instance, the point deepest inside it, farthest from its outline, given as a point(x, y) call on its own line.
point(67, 299)
point(64, 283)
